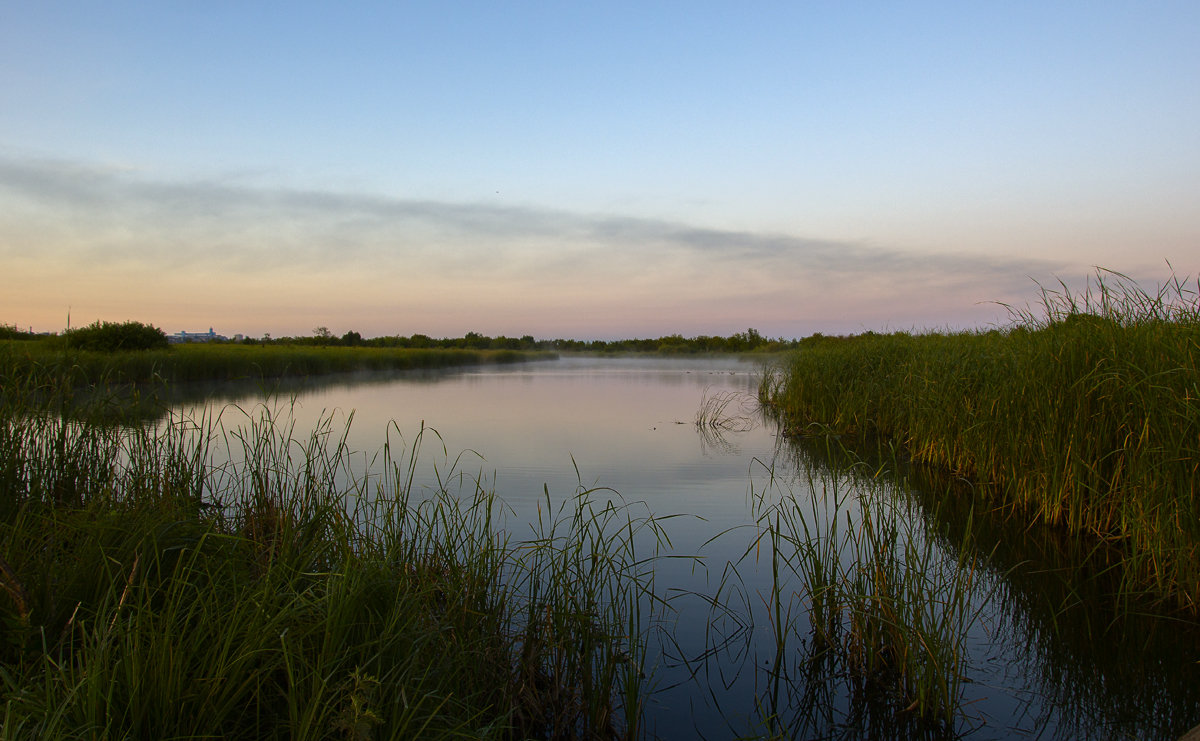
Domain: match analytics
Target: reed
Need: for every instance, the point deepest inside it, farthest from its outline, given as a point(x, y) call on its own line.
point(587, 597)
point(223, 361)
point(869, 612)
point(1083, 416)
point(726, 411)
point(1109, 668)
point(228, 577)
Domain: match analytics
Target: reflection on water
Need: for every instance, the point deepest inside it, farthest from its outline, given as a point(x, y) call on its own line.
point(1048, 656)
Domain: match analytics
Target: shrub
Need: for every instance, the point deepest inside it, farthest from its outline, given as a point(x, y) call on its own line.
point(111, 337)
point(12, 332)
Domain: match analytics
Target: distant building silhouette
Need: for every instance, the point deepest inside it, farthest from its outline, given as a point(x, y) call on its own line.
point(209, 336)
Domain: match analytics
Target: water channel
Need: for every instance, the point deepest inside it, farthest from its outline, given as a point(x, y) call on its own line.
point(1045, 655)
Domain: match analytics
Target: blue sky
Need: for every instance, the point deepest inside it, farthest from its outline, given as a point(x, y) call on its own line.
point(588, 169)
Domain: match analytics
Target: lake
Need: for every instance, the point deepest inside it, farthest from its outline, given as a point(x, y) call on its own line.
point(1046, 655)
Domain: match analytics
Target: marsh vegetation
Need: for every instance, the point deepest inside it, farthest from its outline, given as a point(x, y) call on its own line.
point(896, 566)
point(1085, 415)
point(239, 578)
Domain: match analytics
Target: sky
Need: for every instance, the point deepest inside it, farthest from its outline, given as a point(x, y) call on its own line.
point(588, 170)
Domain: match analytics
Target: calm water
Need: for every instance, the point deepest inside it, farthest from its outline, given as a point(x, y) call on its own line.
point(629, 425)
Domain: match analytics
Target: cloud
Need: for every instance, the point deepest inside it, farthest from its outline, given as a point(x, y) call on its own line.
point(473, 257)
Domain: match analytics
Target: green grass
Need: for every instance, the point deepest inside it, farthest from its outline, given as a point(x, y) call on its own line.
point(227, 361)
point(230, 578)
point(1086, 416)
point(866, 608)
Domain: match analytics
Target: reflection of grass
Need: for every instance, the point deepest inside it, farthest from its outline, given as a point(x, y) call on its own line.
point(1086, 418)
point(723, 413)
point(138, 386)
point(874, 589)
point(148, 591)
point(863, 620)
point(1112, 665)
point(877, 586)
point(218, 362)
point(885, 612)
point(727, 411)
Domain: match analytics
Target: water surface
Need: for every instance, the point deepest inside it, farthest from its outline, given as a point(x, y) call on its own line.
point(629, 425)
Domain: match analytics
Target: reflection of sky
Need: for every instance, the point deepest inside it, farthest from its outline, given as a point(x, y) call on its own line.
point(630, 428)
point(627, 425)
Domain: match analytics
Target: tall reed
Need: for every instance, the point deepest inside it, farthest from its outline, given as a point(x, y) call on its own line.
point(867, 609)
point(228, 577)
point(1085, 416)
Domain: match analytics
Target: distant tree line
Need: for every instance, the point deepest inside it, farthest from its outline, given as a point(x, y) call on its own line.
point(749, 341)
point(110, 336)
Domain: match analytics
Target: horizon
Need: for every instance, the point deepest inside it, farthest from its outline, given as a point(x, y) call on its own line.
point(231, 335)
point(604, 172)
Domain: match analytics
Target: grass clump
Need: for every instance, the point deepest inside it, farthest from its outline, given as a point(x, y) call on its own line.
point(207, 579)
point(1085, 416)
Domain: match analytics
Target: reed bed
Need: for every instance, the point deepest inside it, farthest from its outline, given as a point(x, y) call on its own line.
point(1085, 415)
point(1109, 668)
point(224, 577)
point(227, 361)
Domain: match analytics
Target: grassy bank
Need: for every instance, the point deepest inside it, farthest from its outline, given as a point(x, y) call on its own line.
point(227, 361)
point(1086, 416)
point(231, 579)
